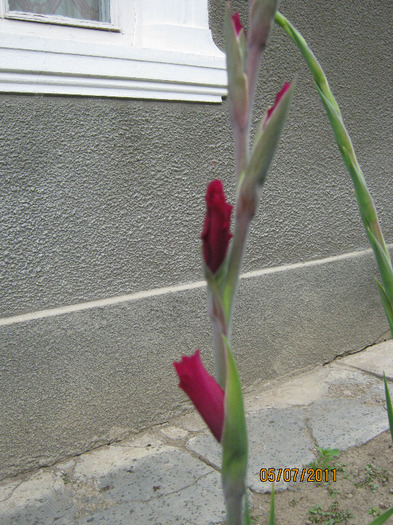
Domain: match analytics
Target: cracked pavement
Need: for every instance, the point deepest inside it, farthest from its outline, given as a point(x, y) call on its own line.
point(171, 473)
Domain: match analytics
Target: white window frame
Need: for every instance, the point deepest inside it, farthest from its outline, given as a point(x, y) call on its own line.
point(152, 49)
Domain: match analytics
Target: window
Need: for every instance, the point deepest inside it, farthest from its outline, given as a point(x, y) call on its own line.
point(74, 10)
point(118, 48)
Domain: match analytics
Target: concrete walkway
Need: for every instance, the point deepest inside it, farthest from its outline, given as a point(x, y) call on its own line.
point(170, 474)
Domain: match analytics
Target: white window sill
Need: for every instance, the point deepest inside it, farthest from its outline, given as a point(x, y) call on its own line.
point(160, 61)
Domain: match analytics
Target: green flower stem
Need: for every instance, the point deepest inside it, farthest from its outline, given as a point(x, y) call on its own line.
point(219, 349)
point(235, 261)
point(234, 446)
point(365, 202)
point(241, 139)
point(217, 317)
point(236, 52)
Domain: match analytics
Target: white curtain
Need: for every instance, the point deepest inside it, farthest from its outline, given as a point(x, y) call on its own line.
point(81, 9)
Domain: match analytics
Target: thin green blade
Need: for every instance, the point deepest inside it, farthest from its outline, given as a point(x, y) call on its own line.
point(272, 518)
point(383, 517)
point(389, 406)
point(247, 518)
point(387, 305)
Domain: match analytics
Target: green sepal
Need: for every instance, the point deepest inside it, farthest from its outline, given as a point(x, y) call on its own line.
point(234, 444)
point(386, 305)
point(218, 278)
point(236, 56)
point(266, 143)
point(272, 519)
point(389, 405)
point(383, 517)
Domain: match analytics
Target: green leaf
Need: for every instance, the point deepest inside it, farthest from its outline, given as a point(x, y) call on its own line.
point(389, 405)
point(234, 444)
point(387, 305)
point(383, 517)
point(272, 519)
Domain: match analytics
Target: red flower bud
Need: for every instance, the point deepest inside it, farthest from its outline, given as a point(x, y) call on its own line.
point(203, 390)
point(279, 96)
point(216, 234)
point(236, 23)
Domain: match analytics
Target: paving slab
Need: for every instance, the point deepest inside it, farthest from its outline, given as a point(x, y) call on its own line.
point(277, 438)
point(376, 360)
point(345, 424)
point(171, 473)
point(198, 504)
point(40, 499)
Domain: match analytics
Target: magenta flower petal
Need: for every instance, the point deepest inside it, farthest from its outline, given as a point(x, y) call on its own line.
point(216, 229)
point(236, 23)
point(279, 96)
point(203, 390)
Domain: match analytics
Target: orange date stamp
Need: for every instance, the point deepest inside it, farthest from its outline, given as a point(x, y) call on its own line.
point(275, 475)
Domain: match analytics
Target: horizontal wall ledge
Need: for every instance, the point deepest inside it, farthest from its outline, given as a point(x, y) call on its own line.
point(110, 301)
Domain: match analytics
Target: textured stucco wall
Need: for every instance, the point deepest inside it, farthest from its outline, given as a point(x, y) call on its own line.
point(104, 197)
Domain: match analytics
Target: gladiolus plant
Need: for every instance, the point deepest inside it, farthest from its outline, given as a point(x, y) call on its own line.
point(219, 399)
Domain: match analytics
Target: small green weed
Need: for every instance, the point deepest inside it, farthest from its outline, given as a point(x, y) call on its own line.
point(333, 492)
point(330, 516)
point(374, 512)
point(325, 458)
point(373, 474)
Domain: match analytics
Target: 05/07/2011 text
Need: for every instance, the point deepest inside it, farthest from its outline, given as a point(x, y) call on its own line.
point(294, 474)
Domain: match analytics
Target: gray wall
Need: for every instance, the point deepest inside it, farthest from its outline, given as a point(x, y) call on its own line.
point(103, 197)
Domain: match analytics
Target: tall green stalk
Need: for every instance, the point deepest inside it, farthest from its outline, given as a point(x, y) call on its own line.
point(366, 205)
